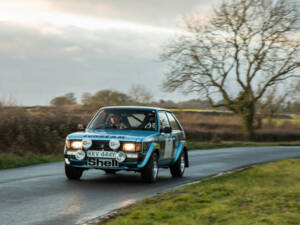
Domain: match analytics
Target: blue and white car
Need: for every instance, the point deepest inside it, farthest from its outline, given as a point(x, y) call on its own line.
point(141, 139)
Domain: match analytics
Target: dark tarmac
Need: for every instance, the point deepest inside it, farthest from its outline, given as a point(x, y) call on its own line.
point(41, 195)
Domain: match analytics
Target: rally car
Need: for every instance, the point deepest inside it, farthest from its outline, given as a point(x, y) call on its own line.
point(141, 139)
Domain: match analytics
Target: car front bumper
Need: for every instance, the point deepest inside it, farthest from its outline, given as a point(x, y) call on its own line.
point(122, 166)
point(131, 163)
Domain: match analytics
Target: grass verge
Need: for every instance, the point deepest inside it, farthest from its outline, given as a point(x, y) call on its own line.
point(268, 194)
point(13, 160)
point(224, 144)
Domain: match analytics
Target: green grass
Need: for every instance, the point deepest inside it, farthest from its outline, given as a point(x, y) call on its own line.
point(13, 161)
point(265, 195)
point(225, 144)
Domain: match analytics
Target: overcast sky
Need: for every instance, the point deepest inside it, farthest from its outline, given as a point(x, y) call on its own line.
point(51, 47)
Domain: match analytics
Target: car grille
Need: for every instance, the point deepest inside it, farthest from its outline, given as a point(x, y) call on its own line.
point(103, 145)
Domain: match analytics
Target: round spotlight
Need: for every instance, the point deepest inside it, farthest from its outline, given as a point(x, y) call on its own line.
point(121, 156)
point(114, 144)
point(87, 143)
point(80, 155)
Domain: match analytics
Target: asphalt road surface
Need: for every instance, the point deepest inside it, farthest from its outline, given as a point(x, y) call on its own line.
point(41, 194)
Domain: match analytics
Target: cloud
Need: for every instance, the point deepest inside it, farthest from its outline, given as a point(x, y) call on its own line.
point(100, 14)
point(36, 68)
point(155, 12)
point(51, 47)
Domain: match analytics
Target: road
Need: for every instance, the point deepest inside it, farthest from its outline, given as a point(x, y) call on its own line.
point(41, 195)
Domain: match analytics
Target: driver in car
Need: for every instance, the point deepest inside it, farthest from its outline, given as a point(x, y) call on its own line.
point(115, 122)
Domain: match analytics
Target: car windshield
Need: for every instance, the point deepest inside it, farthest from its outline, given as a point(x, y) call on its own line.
point(124, 119)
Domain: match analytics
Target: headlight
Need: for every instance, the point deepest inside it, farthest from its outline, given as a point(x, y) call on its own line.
point(121, 156)
point(80, 155)
point(132, 147)
point(76, 145)
point(129, 147)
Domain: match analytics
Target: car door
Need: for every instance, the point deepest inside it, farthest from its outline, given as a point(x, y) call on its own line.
point(176, 131)
point(166, 141)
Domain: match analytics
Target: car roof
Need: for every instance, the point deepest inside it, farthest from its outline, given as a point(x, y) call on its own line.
point(135, 107)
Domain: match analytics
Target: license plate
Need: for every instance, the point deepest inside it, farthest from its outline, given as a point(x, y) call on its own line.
point(101, 154)
point(111, 163)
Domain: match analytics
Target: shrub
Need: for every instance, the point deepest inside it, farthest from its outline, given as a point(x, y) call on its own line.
point(22, 131)
point(42, 130)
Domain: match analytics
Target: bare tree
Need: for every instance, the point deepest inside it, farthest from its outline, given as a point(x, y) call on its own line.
point(246, 47)
point(268, 106)
point(9, 101)
point(105, 98)
point(297, 87)
point(140, 94)
point(67, 99)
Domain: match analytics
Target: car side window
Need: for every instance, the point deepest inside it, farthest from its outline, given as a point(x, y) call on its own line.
point(163, 120)
point(173, 122)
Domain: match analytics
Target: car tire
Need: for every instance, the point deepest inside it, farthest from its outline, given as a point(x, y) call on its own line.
point(110, 171)
point(73, 173)
point(150, 171)
point(178, 168)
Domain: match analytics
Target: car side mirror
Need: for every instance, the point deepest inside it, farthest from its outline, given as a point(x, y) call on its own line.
point(81, 127)
point(167, 130)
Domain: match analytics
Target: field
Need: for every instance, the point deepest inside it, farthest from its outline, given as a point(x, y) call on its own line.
point(191, 145)
point(40, 131)
point(265, 195)
point(215, 126)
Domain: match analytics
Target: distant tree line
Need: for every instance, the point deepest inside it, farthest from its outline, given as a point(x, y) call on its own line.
point(105, 97)
point(67, 99)
point(266, 108)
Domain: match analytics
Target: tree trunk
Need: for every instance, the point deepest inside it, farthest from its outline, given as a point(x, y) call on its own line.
point(247, 115)
point(248, 128)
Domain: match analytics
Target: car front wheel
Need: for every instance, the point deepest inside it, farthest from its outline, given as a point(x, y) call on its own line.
point(178, 168)
point(73, 173)
point(150, 171)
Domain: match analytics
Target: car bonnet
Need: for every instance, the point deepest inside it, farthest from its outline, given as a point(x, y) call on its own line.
point(122, 135)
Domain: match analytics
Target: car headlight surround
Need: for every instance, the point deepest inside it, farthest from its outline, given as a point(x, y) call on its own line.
point(68, 144)
point(76, 145)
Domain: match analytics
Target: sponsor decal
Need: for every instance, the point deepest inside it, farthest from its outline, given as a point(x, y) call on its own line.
point(102, 162)
point(168, 148)
point(103, 136)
